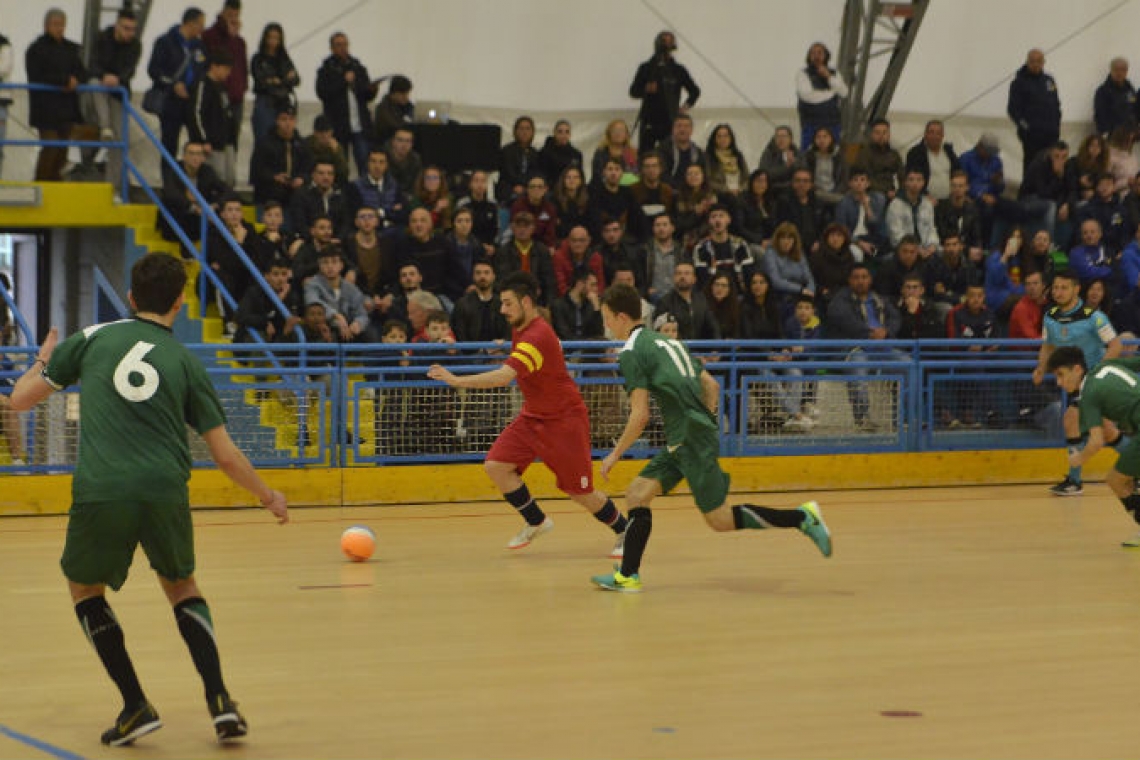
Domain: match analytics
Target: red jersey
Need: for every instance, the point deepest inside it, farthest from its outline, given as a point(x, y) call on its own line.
point(536, 357)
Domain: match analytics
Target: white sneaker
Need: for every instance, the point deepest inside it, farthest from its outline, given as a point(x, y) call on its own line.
point(529, 533)
point(796, 424)
point(618, 552)
point(812, 411)
point(1132, 543)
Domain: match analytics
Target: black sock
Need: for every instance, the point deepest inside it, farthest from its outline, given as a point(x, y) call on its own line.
point(1132, 504)
point(197, 629)
point(753, 517)
point(609, 515)
point(520, 499)
point(637, 531)
point(106, 636)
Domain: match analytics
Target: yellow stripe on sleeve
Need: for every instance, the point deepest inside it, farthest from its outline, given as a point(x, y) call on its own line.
point(524, 360)
point(534, 354)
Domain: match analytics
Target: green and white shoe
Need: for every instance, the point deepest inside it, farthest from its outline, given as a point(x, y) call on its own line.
point(615, 581)
point(815, 528)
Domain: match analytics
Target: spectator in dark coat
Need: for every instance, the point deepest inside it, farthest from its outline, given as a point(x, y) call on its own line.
point(1034, 107)
point(477, 316)
point(577, 314)
point(695, 320)
point(257, 312)
point(209, 117)
point(116, 58)
point(518, 162)
point(395, 109)
point(935, 159)
point(280, 164)
point(178, 199)
point(320, 197)
point(176, 62)
point(558, 154)
point(658, 83)
point(1114, 104)
point(523, 252)
point(274, 80)
point(345, 90)
point(225, 34)
point(56, 61)
point(377, 189)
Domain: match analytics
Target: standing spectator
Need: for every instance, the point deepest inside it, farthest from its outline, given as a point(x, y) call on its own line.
point(780, 158)
point(577, 315)
point(883, 163)
point(518, 162)
point(1028, 315)
point(724, 302)
point(1114, 104)
point(802, 209)
point(688, 305)
point(280, 163)
point(176, 63)
point(225, 34)
point(651, 196)
point(534, 201)
point(864, 213)
point(275, 79)
point(558, 154)
point(321, 197)
point(727, 169)
point(572, 203)
point(477, 317)
point(973, 400)
point(1034, 107)
point(483, 210)
point(827, 167)
point(117, 53)
point(722, 252)
point(678, 151)
point(818, 91)
point(935, 159)
point(55, 61)
point(912, 213)
point(574, 255)
point(345, 90)
point(377, 190)
point(178, 198)
point(322, 146)
point(404, 163)
point(524, 253)
point(209, 118)
point(6, 58)
point(395, 109)
point(658, 84)
point(616, 145)
point(431, 193)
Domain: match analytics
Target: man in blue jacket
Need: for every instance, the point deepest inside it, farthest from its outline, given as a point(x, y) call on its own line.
point(176, 63)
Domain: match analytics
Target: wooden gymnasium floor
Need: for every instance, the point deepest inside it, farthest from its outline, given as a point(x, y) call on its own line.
point(951, 623)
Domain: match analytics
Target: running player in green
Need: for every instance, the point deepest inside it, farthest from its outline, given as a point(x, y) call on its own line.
point(139, 389)
point(1110, 393)
point(687, 395)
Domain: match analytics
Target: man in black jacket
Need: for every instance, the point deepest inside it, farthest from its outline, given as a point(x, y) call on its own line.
point(280, 162)
point(321, 197)
point(257, 312)
point(178, 199)
point(1034, 107)
point(936, 159)
point(117, 53)
point(345, 90)
point(477, 317)
point(578, 315)
point(1115, 101)
point(688, 305)
point(658, 84)
point(209, 119)
point(53, 60)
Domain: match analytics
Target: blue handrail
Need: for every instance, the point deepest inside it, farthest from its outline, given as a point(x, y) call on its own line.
point(29, 338)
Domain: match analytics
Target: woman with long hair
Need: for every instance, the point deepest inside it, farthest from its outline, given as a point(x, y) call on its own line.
point(827, 167)
point(728, 170)
point(780, 158)
point(787, 268)
point(484, 210)
point(760, 313)
point(572, 201)
point(724, 303)
point(274, 80)
point(431, 193)
point(694, 201)
point(518, 161)
point(1090, 162)
point(1122, 165)
point(616, 143)
point(757, 212)
point(831, 261)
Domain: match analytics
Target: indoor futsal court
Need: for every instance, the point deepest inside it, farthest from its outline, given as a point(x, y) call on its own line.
point(991, 622)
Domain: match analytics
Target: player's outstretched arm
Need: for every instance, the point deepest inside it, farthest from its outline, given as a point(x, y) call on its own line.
point(710, 392)
point(634, 427)
point(31, 388)
point(235, 464)
point(1113, 348)
point(1043, 355)
point(1094, 444)
point(496, 378)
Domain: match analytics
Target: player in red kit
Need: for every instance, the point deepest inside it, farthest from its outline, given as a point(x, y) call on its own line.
point(553, 424)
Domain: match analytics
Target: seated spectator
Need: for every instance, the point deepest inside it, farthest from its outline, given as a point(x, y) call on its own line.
point(972, 399)
point(802, 209)
point(678, 151)
point(558, 154)
point(831, 261)
point(321, 197)
point(378, 191)
point(394, 110)
point(477, 316)
point(666, 325)
point(727, 169)
point(524, 253)
point(283, 244)
point(374, 261)
point(864, 213)
point(779, 159)
point(609, 198)
point(986, 176)
point(308, 253)
point(1130, 266)
point(919, 318)
point(572, 203)
point(797, 397)
point(437, 328)
point(1048, 181)
point(343, 302)
point(408, 289)
point(723, 253)
point(760, 317)
point(1003, 276)
point(616, 145)
point(964, 268)
point(573, 256)
point(688, 306)
point(518, 162)
point(972, 318)
point(1091, 259)
point(1106, 208)
point(466, 250)
point(723, 299)
point(280, 163)
point(905, 261)
point(1090, 162)
point(484, 210)
point(757, 218)
point(934, 159)
point(654, 266)
point(883, 163)
point(1028, 315)
point(323, 147)
point(236, 276)
point(178, 199)
point(274, 80)
point(786, 265)
point(577, 315)
point(827, 167)
point(422, 245)
point(1042, 256)
point(534, 201)
point(694, 201)
point(432, 195)
point(651, 197)
point(958, 214)
point(912, 213)
point(404, 164)
point(1122, 164)
point(257, 313)
point(624, 275)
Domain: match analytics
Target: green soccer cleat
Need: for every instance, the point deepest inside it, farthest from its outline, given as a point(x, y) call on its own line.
point(623, 584)
point(815, 528)
point(132, 723)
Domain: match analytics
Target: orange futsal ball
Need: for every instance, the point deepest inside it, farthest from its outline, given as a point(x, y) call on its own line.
point(358, 543)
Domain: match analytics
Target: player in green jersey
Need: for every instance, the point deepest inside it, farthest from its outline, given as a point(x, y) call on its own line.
point(139, 389)
point(1110, 393)
point(687, 395)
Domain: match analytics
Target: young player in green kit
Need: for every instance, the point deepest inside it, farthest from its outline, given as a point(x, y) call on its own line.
point(140, 388)
point(686, 394)
point(1109, 393)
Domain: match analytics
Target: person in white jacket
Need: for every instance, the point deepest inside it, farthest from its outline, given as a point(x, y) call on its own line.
point(818, 92)
point(912, 213)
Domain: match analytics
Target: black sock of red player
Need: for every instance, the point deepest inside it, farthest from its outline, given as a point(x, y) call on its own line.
point(521, 500)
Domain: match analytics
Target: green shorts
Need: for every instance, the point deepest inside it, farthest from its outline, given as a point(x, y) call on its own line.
point(102, 537)
point(1129, 461)
point(695, 460)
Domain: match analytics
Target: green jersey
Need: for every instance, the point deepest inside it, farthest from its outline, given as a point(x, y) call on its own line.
point(666, 369)
point(139, 388)
point(1111, 391)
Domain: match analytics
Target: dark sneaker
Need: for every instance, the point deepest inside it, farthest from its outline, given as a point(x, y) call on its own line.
point(1067, 487)
point(132, 723)
point(228, 722)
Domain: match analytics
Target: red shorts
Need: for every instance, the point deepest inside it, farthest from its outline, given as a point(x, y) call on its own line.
point(563, 445)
